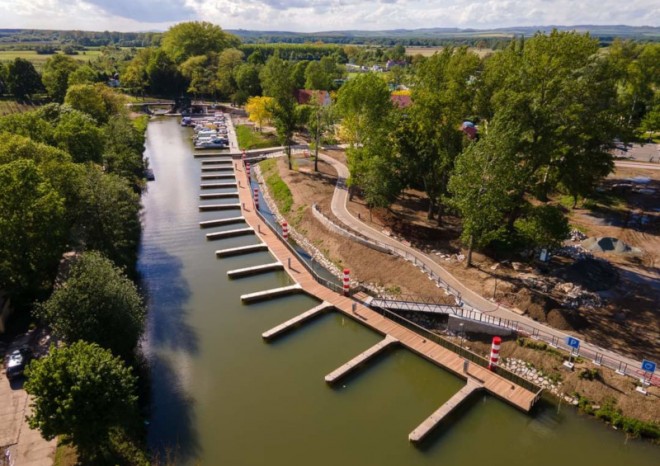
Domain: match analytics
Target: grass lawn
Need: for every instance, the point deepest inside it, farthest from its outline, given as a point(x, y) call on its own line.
point(9, 106)
point(39, 60)
point(277, 187)
point(250, 139)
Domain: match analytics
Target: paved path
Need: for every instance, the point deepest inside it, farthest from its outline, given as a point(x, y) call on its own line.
point(641, 165)
point(478, 302)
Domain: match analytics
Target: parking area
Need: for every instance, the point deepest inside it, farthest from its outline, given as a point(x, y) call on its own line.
point(26, 447)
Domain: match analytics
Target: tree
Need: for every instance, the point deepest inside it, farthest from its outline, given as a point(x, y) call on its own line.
point(97, 100)
point(247, 81)
point(78, 134)
point(195, 38)
point(82, 394)
point(299, 70)
point(543, 226)
point(163, 75)
point(258, 109)
point(123, 151)
point(108, 217)
point(98, 304)
point(228, 61)
point(83, 75)
point(22, 79)
point(31, 229)
point(277, 82)
point(200, 71)
point(55, 77)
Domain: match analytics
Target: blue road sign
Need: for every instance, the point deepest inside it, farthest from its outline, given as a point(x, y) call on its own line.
point(573, 342)
point(648, 366)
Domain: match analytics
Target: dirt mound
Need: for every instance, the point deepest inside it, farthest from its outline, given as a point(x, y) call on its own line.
point(606, 244)
point(592, 274)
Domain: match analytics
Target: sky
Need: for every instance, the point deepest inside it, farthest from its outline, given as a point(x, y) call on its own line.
point(322, 15)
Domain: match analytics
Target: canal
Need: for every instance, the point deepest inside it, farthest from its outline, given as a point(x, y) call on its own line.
point(222, 396)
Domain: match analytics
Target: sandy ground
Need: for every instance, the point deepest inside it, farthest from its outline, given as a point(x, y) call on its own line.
point(629, 321)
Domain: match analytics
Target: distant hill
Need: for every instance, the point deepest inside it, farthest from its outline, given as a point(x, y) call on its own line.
point(427, 35)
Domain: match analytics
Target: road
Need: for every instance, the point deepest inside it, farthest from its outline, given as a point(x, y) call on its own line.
point(640, 165)
point(478, 302)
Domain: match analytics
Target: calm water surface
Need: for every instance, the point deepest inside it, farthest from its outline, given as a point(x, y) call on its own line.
point(221, 396)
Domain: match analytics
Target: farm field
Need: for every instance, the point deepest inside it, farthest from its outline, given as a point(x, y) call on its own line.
point(39, 60)
point(428, 51)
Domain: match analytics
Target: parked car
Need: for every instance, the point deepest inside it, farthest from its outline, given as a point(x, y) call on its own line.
point(18, 360)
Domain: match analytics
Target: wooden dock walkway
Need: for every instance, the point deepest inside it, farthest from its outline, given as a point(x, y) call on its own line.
point(206, 196)
point(354, 363)
point(241, 250)
point(229, 233)
point(297, 320)
point(434, 419)
point(212, 207)
point(221, 221)
point(272, 293)
point(497, 385)
point(257, 269)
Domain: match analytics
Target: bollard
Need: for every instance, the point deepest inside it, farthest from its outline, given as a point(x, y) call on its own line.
point(256, 198)
point(285, 231)
point(346, 281)
point(289, 262)
point(494, 353)
point(354, 306)
point(259, 228)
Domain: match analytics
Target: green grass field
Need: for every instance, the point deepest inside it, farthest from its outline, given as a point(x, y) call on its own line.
point(39, 60)
point(250, 139)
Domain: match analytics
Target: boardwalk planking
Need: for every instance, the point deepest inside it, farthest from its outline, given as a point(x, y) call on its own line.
point(513, 394)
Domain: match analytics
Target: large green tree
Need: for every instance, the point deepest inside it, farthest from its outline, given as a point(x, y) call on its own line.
point(32, 229)
point(97, 100)
point(22, 79)
point(83, 395)
point(97, 303)
point(55, 76)
point(195, 38)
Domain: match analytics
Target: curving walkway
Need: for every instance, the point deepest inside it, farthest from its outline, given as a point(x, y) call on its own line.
point(469, 297)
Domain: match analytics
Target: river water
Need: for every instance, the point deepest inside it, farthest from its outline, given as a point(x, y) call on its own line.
point(222, 396)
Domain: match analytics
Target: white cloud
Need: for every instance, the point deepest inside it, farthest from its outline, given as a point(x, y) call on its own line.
point(322, 15)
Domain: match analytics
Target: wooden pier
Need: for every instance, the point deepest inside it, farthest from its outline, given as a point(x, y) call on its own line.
point(273, 293)
point(214, 207)
point(257, 269)
point(218, 195)
point(221, 221)
point(436, 418)
point(516, 395)
point(217, 185)
point(296, 321)
point(241, 250)
point(219, 176)
point(229, 233)
point(354, 363)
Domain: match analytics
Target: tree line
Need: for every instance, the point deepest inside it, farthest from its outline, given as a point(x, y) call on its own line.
point(71, 174)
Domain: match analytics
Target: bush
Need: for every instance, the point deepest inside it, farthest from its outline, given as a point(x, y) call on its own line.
point(543, 226)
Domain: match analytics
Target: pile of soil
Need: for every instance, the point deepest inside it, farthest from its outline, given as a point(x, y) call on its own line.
point(591, 274)
point(606, 244)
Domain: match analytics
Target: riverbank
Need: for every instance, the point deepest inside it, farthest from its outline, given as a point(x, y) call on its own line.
point(595, 390)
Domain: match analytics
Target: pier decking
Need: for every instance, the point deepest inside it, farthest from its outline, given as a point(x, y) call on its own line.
point(241, 250)
point(434, 419)
point(219, 176)
point(217, 185)
point(257, 269)
point(495, 384)
point(211, 207)
point(230, 233)
point(354, 363)
point(221, 221)
point(218, 195)
point(269, 294)
point(297, 320)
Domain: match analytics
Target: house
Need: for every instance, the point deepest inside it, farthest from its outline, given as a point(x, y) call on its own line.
point(312, 97)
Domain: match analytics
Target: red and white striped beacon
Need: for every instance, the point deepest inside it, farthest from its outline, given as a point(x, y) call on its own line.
point(247, 170)
point(346, 281)
point(285, 231)
point(256, 198)
point(494, 353)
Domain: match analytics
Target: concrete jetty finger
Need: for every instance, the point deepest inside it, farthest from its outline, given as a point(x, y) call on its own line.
point(434, 419)
point(221, 221)
point(210, 207)
point(273, 293)
point(297, 320)
point(351, 365)
point(225, 161)
point(257, 269)
point(230, 233)
point(241, 250)
point(217, 185)
point(199, 155)
point(218, 195)
point(217, 168)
